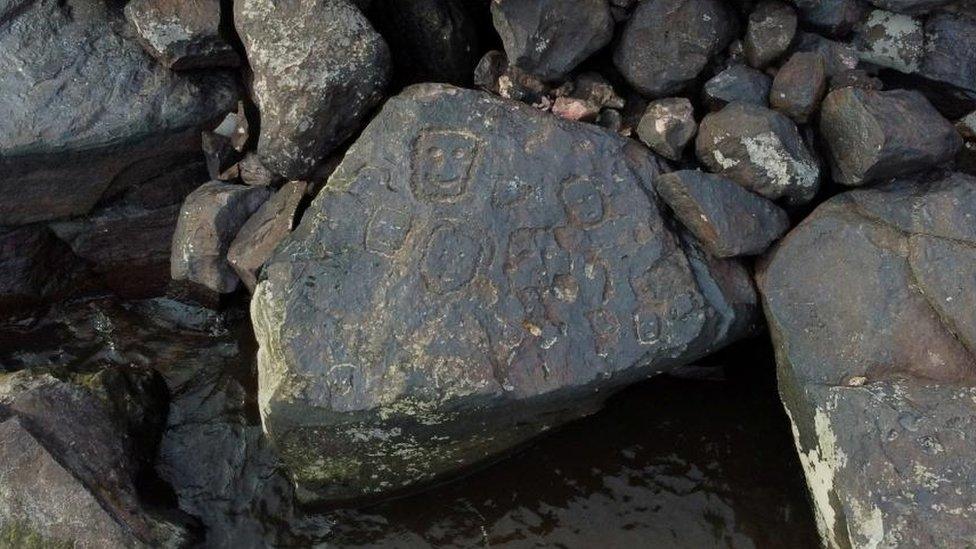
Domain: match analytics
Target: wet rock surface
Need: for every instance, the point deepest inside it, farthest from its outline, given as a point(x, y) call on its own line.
point(319, 67)
point(874, 332)
point(465, 294)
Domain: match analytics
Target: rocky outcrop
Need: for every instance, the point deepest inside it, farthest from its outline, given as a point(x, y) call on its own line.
point(873, 320)
point(465, 282)
point(85, 113)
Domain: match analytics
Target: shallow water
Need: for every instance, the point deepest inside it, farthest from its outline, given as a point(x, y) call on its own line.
point(703, 458)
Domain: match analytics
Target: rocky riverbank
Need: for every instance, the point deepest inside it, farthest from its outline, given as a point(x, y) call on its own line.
point(456, 225)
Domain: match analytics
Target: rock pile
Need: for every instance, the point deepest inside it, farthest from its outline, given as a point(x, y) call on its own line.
point(440, 273)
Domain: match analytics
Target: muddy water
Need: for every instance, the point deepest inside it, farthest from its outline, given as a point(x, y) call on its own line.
point(699, 459)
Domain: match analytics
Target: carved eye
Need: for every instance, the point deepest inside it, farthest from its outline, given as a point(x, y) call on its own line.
point(458, 153)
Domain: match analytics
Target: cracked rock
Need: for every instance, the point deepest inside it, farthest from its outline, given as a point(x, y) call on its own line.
point(667, 126)
point(759, 149)
point(728, 220)
point(667, 43)
point(874, 135)
point(504, 227)
point(182, 34)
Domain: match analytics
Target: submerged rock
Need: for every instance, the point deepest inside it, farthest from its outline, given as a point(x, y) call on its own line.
point(548, 38)
point(667, 43)
point(759, 149)
point(319, 67)
point(85, 113)
point(180, 34)
point(728, 220)
point(482, 274)
point(874, 135)
point(874, 329)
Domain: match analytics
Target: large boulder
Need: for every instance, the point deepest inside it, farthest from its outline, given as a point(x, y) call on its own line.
point(870, 305)
point(86, 113)
point(474, 273)
point(319, 67)
point(549, 38)
point(667, 43)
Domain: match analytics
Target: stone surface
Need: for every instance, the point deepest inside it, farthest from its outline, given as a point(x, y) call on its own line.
point(869, 305)
point(86, 113)
point(668, 126)
point(430, 40)
point(772, 26)
point(839, 56)
point(572, 108)
point(209, 220)
point(832, 17)
point(549, 38)
point(891, 40)
point(465, 282)
point(262, 232)
point(728, 220)
point(874, 135)
point(223, 146)
point(759, 149)
point(73, 445)
point(910, 6)
point(799, 86)
point(34, 267)
point(666, 43)
point(180, 34)
point(319, 68)
point(253, 172)
point(855, 79)
point(737, 83)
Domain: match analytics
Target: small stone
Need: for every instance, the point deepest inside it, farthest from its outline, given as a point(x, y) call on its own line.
point(759, 149)
point(799, 86)
point(253, 172)
point(593, 87)
point(262, 232)
point(832, 17)
point(770, 32)
point(610, 119)
point(548, 38)
point(667, 43)
point(856, 78)
point(728, 220)
point(490, 68)
point(210, 219)
point(222, 146)
point(182, 34)
point(838, 56)
point(737, 83)
point(875, 135)
point(967, 126)
point(572, 108)
point(667, 126)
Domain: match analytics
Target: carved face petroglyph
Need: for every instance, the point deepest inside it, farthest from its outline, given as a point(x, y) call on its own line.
point(442, 163)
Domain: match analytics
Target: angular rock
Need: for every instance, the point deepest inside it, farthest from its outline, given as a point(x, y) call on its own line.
point(838, 56)
point(209, 220)
point(490, 68)
point(74, 444)
point(728, 220)
point(182, 35)
point(85, 113)
point(253, 172)
point(668, 126)
point(772, 26)
point(262, 232)
point(737, 83)
point(593, 87)
point(759, 149)
point(462, 284)
point(874, 333)
point(548, 38)
point(572, 108)
point(319, 67)
point(430, 40)
point(34, 267)
point(874, 135)
point(223, 147)
point(832, 17)
point(666, 43)
point(799, 86)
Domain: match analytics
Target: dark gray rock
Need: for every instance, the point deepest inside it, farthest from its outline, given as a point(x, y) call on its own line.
point(593, 87)
point(431, 40)
point(855, 79)
point(838, 56)
point(910, 6)
point(668, 126)
point(34, 267)
point(490, 68)
point(772, 26)
point(223, 146)
point(182, 35)
point(209, 220)
point(759, 149)
point(548, 38)
point(74, 444)
point(262, 232)
point(874, 333)
point(728, 220)
point(799, 86)
point(737, 83)
point(832, 17)
point(319, 68)
point(86, 113)
point(252, 171)
point(666, 43)
point(874, 135)
point(463, 283)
